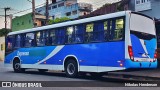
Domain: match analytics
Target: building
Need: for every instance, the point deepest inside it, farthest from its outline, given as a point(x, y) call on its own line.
point(22, 22)
point(109, 8)
point(2, 48)
point(147, 7)
point(26, 22)
point(66, 8)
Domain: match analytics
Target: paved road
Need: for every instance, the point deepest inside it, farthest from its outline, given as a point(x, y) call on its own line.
point(7, 74)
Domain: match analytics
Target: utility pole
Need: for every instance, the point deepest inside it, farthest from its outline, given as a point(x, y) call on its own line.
point(5, 10)
point(11, 16)
point(47, 14)
point(33, 13)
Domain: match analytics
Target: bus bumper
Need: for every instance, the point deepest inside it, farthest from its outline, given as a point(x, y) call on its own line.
point(132, 64)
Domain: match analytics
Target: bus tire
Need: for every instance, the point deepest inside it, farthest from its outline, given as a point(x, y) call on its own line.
point(71, 69)
point(17, 67)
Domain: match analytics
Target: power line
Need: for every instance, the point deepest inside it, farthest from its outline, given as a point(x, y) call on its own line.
point(27, 9)
point(22, 11)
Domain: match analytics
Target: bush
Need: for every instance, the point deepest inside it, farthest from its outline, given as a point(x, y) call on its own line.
point(58, 20)
point(4, 32)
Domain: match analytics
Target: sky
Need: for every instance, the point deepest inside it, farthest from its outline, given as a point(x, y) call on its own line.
point(20, 5)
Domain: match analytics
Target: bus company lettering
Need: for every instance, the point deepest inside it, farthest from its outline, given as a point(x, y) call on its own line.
point(22, 53)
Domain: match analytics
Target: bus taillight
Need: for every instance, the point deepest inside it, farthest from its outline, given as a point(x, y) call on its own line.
point(130, 51)
point(155, 55)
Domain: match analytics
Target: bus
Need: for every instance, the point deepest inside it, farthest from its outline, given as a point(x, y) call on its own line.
point(157, 23)
point(111, 42)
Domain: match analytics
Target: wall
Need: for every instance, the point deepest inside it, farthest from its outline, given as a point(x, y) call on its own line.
point(154, 12)
point(2, 42)
point(22, 22)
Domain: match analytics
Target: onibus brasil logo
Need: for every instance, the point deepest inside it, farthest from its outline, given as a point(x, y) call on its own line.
point(21, 84)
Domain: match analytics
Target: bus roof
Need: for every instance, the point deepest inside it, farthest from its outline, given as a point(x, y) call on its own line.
point(68, 23)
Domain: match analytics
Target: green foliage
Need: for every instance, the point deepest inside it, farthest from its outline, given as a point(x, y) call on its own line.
point(58, 20)
point(119, 7)
point(4, 32)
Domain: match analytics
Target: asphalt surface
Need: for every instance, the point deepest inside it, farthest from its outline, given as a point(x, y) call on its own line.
point(7, 74)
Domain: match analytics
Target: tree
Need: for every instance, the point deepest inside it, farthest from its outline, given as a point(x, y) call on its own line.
point(58, 20)
point(4, 32)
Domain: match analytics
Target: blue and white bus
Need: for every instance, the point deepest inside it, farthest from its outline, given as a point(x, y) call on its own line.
point(110, 42)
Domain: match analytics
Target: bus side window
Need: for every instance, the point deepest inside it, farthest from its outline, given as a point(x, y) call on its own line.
point(119, 29)
point(98, 31)
point(53, 37)
point(89, 32)
point(47, 37)
point(116, 30)
point(29, 40)
point(79, 33)
point(22, 40)
point(111, 29)
point(18, 41)
point(40, 38)
point(106, 30)
point(74, 34)
point(60, 36)
point(70, 35)
point(9, 43)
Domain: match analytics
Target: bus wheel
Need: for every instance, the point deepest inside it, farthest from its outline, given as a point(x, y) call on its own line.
point(17, 67)
point(98, 75)
point(42, 70)
point(71, 69)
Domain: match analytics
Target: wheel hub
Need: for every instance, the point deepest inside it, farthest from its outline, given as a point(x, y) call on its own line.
point(17, 66)
point(71, 69)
